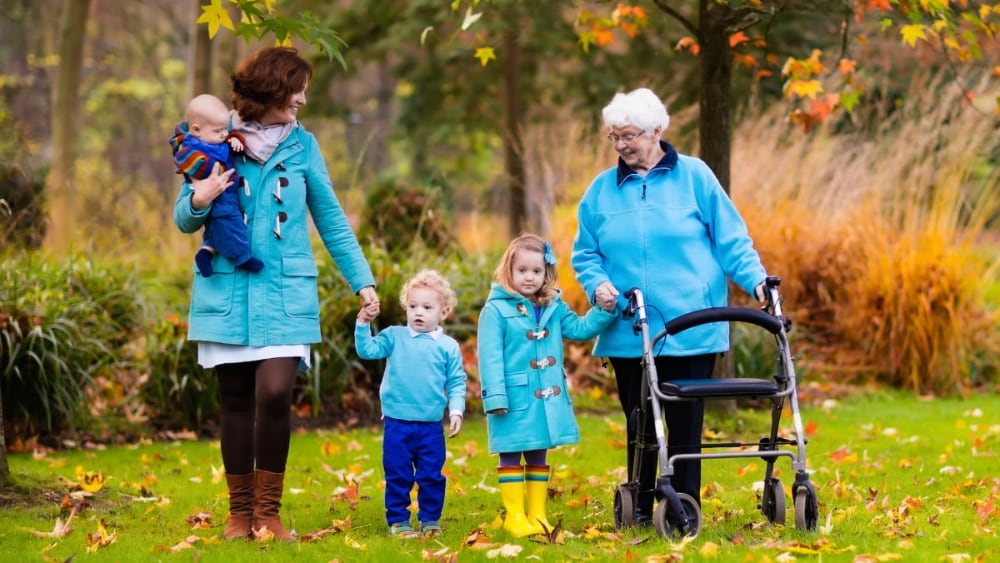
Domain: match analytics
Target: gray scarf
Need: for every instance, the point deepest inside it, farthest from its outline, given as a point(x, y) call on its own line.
point(261, 140)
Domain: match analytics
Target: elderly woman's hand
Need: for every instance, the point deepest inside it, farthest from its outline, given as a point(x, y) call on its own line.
point(204, 191)
point(606, 296)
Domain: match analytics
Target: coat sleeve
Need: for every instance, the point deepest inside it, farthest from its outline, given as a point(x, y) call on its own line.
point(730, 238)
point(575, 327)
point(187, 218)
point(587, 261)
point(490, 347)
point(331, 221)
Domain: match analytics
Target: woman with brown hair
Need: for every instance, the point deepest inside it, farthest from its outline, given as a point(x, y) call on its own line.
point(255, 328)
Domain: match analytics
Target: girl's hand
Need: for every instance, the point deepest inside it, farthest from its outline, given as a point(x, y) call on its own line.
point(204, 192)
point(455, 425)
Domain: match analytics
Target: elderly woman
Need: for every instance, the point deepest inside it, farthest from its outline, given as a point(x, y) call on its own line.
point(660, 221)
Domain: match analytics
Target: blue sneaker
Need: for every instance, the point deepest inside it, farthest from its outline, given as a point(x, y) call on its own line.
point(403, 531)
point(430, 528)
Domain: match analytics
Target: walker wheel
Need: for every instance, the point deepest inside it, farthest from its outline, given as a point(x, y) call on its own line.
point(683, 520)
point(806, 510)
point(624, 507)
point(773, 502)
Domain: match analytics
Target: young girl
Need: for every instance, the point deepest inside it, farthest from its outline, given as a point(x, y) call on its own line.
point(423, 377)
point(527, 404)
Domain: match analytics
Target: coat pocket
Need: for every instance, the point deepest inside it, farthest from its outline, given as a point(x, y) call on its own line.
point(517, 390)
point(214, 295)
point(298, 286)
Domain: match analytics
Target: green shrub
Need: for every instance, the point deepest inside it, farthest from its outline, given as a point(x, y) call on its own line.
point(59, 324)
point(399, 214)
point(177, 392)
point(22, 214)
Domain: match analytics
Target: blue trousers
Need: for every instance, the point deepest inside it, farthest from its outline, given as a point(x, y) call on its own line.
point(413, 452)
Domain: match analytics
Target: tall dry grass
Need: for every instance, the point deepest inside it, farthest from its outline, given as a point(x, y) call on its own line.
point(883, 239)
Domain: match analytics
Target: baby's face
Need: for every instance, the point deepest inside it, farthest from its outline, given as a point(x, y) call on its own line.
point(211, 128)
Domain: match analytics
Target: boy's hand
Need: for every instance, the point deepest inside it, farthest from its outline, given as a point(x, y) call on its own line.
point(455, 425)
point(366, 315)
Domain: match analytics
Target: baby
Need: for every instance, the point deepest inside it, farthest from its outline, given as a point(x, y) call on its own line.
point(198, 143)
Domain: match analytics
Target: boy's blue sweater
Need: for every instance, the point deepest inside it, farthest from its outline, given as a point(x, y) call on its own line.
point(423, 374)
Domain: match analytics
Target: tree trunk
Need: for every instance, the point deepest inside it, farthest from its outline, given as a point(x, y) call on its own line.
point(200, 65)
point(65, 122)
point(4, 467)
point(513, 141)
point(715, 133)
point(714, 104)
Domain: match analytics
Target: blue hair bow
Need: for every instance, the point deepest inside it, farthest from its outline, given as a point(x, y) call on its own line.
point(550, 258)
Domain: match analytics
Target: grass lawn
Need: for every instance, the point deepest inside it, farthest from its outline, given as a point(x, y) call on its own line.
point(897, 478)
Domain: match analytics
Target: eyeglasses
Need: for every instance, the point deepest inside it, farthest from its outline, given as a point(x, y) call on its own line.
point(627, 138)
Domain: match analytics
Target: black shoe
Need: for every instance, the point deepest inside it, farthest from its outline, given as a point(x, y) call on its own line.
point(643, 518)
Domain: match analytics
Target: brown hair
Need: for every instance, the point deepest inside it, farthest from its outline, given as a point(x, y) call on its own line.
point(504, 272)
point(434, 281)
point(267, 79)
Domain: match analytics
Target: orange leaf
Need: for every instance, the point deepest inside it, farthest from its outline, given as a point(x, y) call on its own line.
point(687, 43)
point(737, 38)
point(847, 66)
point(810, 428)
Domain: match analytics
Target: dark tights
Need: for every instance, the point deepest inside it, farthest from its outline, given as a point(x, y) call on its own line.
point(531, 457)
point(256, 400)
point(683, 420)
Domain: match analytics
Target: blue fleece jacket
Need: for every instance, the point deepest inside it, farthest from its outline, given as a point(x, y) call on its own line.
point(674, 234)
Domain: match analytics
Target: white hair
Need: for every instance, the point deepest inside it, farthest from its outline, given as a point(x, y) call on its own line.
point(640, 108)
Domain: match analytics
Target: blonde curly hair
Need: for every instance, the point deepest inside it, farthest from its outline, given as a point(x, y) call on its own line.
point(432, 280)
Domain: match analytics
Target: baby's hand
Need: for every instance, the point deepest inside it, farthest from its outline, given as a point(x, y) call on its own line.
point(235, 144)
point(455, 425)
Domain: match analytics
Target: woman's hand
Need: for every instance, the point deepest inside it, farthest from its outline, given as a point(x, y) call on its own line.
point(204, 192)
point(606, 296)
point(369, 301)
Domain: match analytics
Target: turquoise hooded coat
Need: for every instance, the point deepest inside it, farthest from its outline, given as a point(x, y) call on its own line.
point(521, 370)
point(279, 304)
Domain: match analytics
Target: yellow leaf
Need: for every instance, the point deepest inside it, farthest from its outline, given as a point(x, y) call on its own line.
point(911, 33)
point(803, 88)
point(710, 549)
point(485, 55)
point(215, 15)
point(90, 481)
point(100, 538)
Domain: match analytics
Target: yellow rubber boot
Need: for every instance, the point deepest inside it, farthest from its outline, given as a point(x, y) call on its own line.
point(512, 492)
point(536, 483)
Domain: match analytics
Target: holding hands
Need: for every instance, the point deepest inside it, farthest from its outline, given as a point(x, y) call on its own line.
point(369, 305)
point(606, 296)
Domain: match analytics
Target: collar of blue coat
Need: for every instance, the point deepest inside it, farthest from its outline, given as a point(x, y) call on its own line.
point(434, 334)
point(667, 163)
point(516, 305)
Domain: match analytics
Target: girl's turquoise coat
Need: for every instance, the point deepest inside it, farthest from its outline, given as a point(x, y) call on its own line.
point(540, 413)
point(280, 304)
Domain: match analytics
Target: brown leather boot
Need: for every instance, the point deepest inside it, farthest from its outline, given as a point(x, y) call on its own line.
point(268, 488)
point(241, 501)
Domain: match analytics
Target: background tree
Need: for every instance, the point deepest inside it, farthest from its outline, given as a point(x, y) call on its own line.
point(65, 111)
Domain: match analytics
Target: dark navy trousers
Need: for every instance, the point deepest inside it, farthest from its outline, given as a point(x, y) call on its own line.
point(413, 452)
